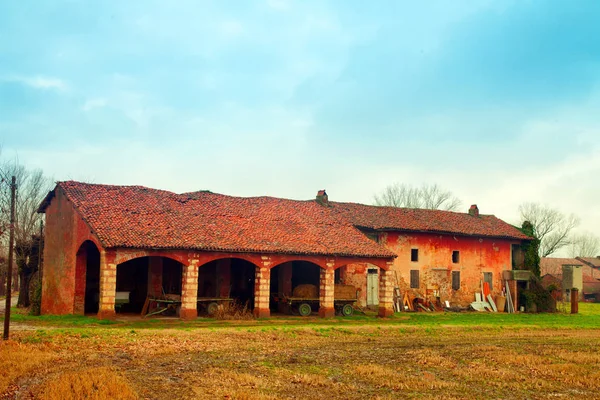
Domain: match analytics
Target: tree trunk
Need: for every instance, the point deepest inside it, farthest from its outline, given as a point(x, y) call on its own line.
point(25, 278)
point(2, 284)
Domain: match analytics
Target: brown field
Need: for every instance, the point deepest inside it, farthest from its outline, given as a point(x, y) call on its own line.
point(279, 360)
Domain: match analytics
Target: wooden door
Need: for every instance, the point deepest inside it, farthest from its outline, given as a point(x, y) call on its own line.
point(372, 287)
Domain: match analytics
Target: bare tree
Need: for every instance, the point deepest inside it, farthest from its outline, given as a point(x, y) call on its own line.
point(550, 226)
point(32, 187)
point(584, 245)
point(432, 197)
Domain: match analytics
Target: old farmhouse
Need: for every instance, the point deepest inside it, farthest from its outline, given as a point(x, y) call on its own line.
point(104, 242)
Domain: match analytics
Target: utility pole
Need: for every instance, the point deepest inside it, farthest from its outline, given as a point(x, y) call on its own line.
point(11, 241)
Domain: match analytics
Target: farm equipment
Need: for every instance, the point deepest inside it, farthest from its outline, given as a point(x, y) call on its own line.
point(305, 299)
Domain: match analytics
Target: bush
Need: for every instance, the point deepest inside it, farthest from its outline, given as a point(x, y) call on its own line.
point(539, 299)
point(233, 310)
point(36, 298)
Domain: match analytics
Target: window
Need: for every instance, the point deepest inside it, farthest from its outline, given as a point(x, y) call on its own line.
point(373, 236)
point(456, 256)
point(414, 255)
point(455, 280)
point(414, 278)
point(488, 277)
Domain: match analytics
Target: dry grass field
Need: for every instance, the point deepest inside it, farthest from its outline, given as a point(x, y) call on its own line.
point(445, 356)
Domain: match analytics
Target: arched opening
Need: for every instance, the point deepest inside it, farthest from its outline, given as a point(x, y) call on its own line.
point(294, 280)
point(145, 278)
point(226, 281)
point(87, 279)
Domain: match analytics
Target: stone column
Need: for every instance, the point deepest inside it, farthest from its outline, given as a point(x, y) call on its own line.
point(189, 291)
point(108, 288)
point(262, 286)
point(155, 276)
point(386, 293)
point(326, 292)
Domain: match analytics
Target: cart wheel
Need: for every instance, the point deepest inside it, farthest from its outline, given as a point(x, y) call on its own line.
point(304, 309)
point(212, 308)
point(347, 310)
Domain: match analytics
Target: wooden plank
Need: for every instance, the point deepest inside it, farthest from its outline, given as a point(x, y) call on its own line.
point(492, 303)
point(145, 308)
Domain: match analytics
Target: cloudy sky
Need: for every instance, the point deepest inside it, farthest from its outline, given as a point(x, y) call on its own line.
point(498, 101)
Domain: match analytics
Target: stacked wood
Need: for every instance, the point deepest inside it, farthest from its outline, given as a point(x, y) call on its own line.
point(306, 291)
point(344, 292)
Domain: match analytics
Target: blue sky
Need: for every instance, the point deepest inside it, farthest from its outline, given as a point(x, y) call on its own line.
point(497, 101)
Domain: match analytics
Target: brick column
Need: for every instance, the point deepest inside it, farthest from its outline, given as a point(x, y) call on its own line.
point(386, 293)
point(262, 286)
point(512, 286)
point(284, 285)
point(155, 276)
point(189, 291)
point(224, 277)
point(326, 293)
point(108, 288)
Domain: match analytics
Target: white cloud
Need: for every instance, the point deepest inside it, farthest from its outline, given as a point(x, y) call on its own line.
point(42, 83)
point(90, 104)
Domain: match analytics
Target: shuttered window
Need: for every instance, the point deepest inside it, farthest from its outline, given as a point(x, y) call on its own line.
point(414, 278)
point(488, 277)
point(414, 255)
point(455, 280)
point(456, 256)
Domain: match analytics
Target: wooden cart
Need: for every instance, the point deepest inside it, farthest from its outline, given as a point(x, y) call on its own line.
point(304, 307)
point(211, 305)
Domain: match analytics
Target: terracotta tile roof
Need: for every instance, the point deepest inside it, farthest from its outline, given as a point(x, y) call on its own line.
point(553, 266)
point(421, 220)
point(591, 261)
point(139, 217)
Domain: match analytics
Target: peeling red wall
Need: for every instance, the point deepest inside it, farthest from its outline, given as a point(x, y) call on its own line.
point(435, 266)
point(65, 232)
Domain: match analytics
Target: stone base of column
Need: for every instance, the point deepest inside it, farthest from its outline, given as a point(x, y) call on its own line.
point(262, 312)
point(326, 312)
point(107, 314)
point(188, 313)
point(386, 312)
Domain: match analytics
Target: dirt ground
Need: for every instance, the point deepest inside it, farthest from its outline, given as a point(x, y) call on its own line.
point(286, 361)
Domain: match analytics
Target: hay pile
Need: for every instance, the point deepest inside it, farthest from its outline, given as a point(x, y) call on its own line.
point(344, 292)
point(306, 291)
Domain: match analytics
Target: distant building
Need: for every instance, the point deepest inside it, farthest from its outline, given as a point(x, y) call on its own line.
point(569, 273)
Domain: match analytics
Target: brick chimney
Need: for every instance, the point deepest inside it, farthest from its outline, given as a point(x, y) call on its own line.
point(322, 198)
point(474, 210)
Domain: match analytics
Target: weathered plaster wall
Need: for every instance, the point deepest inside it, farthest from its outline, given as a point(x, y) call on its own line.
point(435, 266)
point(65, 232)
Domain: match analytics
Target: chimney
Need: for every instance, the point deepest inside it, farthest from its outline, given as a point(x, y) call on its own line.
point(322, 198)
point(474, 211)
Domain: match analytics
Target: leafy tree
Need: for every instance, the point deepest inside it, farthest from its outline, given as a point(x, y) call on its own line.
point(531, 249)
point(431, 197)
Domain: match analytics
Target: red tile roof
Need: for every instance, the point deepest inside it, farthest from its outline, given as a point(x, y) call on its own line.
point(591, 261)
point(421, 220)
point(139, 217)
point(553, 265)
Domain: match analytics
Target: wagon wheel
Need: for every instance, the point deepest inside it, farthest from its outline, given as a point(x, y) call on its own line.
point(304, 309)
point(347, 310)
point(212, 308)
